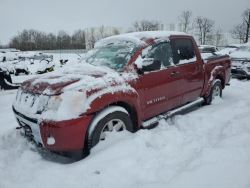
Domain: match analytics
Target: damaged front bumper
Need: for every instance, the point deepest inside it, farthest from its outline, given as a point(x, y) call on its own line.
point(58, 136)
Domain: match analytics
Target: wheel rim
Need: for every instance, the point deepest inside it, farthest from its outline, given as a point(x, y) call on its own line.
point(114, 125)
point(216, 92)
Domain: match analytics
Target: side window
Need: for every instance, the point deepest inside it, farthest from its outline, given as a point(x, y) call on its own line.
point(183, 51)
point(163, 53)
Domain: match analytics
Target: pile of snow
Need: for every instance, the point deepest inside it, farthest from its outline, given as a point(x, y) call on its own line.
point(206, 148)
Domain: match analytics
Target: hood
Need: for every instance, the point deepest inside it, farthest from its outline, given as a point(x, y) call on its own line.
point(81, 77)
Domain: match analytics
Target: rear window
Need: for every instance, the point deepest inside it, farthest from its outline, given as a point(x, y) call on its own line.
point(183, 51)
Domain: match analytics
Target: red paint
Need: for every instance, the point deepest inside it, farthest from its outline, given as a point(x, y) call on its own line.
point(69, 135)
point(154, 93)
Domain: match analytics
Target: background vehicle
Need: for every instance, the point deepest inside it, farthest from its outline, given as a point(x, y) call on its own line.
point(126, 82)
point(241, 62)
point(208, 51)
point(227, 50)
point(24, 63)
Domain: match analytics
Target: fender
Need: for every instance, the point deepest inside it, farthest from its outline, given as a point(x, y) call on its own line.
point(101, 99)
point(218, 72)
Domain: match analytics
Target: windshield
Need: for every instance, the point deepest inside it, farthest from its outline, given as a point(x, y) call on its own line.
point(112, 56)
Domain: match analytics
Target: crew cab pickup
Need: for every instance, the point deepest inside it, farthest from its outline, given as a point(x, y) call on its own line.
point(126, 82)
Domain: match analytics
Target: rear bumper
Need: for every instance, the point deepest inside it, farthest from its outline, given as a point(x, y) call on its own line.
point(59, 136)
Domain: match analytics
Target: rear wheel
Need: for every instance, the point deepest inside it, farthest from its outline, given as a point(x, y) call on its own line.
point(116, 121)
point(1, 88)
point(216, 92)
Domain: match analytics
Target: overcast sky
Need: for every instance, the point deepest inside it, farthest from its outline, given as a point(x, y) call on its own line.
point(69, 15)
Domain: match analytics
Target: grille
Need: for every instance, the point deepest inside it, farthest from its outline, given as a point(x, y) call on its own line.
point(31, 103)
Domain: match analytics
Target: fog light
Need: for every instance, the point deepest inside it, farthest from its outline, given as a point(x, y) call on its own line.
point(51, 140)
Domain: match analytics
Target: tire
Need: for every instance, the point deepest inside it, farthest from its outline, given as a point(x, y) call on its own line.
point(1, 87)
point(112, 122)
point(216, 91)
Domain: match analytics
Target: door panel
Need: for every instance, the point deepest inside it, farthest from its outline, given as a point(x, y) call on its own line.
point(191, 69)
point(161, 91)
point(192, 81)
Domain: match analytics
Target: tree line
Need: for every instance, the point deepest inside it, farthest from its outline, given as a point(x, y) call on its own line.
point(201, 27)
point(37, 40)
point(204, 28)
point(80, 39)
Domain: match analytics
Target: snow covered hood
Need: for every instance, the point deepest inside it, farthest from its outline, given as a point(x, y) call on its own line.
point(242, 53)
point(68, 93)
point(78, 77)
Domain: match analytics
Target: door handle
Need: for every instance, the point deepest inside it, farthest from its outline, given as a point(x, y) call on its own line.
point(175, 74)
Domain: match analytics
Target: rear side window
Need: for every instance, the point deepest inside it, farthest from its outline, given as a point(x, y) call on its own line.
point(183, 51)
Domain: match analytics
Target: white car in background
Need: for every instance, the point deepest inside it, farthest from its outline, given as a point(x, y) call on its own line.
point(25, 66)
point(241, 62)
point(208, 51)
point(227, 50)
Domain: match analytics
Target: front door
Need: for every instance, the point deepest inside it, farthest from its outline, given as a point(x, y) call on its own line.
point(160, 89)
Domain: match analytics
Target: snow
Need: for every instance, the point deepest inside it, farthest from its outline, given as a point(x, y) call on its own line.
point(33, 66)
point(206, 56)
point(78, 80)
point(103, 113)
point(226, 51)
point(242, 52)
point(185, 61)
point(137, 38)
point(206, 148)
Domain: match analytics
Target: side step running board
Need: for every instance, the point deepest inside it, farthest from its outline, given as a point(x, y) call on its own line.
point(151, 123)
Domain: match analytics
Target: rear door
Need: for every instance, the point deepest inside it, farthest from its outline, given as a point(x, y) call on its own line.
point(190, 68)
point(160, 89)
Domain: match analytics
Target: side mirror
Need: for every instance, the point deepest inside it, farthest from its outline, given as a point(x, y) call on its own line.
point(150, 64)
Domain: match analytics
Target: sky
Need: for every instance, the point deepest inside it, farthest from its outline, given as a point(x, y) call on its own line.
point(70, 15)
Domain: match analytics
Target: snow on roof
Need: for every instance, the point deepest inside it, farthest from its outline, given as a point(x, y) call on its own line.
point(138, 38)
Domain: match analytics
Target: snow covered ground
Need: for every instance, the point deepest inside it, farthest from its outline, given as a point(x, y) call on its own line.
point(209, 147)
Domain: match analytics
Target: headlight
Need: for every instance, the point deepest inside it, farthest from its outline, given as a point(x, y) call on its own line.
point(67, 105)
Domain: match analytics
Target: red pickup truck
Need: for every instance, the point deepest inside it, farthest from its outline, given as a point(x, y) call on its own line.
point(127, 81)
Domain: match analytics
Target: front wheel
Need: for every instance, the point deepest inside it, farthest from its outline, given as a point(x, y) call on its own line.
point(216, 92)
point(116, 121)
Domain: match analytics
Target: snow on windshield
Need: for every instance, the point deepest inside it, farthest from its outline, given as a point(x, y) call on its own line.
point(114, 56)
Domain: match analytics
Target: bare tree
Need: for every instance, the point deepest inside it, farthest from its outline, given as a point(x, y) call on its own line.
point(78, 40)
point(218, 37)
point(239, 32)
point(91, 37)
point(146, 25)
point(63, 40)
point(242, 31)
point(205, 28)
point(185, 21)
point(116, 31)
point(102, 31)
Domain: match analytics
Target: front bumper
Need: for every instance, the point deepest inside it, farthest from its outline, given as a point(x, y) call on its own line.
point(66, 136)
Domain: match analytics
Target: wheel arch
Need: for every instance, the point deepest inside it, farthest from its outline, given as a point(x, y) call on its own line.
point(98, 116)
point(221, 78)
